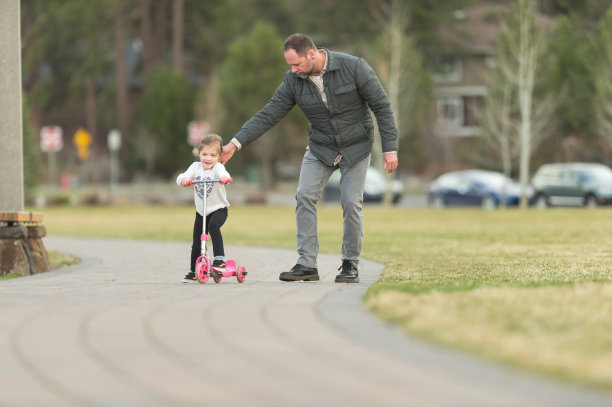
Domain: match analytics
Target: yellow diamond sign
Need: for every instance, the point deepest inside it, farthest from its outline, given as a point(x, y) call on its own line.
point(82, 140)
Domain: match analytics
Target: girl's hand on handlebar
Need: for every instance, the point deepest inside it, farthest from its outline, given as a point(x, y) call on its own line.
point(225, 180)
point(186, 182)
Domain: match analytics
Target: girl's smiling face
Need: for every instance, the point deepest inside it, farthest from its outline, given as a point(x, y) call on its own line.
point(209, 156)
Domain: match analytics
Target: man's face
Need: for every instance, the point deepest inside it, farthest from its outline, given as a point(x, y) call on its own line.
point(302, 65)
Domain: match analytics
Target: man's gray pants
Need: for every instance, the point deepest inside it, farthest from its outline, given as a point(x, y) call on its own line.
point(313, 178)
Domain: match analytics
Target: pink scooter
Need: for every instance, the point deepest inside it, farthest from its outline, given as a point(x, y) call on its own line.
point(203, 269)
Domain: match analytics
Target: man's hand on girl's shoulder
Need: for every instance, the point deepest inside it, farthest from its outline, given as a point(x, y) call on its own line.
point(228, 151)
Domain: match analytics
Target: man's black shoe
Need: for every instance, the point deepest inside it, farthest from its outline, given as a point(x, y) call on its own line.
point(300, 273)
point(349, 273)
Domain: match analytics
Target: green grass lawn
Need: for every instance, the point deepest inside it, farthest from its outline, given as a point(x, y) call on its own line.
point(10, 276)
point(532, 289)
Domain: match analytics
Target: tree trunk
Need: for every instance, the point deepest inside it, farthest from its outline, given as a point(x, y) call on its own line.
point(265, 149)
point(526, 77)
point(90, 106)
point(177, 34)
point(161, 24)
point(506, 148)
point(147, 40)
point(504, 141)
point(121, 76)
point(393, 18)
point(395, 69)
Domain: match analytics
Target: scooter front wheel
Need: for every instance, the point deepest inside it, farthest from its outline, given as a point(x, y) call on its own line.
point(202, 269)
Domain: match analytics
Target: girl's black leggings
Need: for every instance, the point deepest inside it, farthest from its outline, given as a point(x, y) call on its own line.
point(214, 221)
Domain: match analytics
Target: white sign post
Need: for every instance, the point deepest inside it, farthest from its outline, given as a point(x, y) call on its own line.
point(114, 145)
point(51, 141)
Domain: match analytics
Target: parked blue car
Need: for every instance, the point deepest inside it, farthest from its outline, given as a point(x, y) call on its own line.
point(474, 188)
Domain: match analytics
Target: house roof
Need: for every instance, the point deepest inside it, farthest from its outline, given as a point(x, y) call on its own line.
point(476, 28)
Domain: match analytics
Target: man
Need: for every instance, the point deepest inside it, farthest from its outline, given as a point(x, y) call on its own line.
point(336, 92)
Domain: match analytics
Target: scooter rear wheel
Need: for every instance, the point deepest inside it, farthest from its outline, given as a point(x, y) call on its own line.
point(216, 278)
point(241, 274)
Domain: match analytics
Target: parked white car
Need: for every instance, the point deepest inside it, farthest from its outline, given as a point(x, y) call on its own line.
point(374, 189)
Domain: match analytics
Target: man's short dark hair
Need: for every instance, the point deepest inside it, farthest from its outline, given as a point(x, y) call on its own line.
point(301, 43)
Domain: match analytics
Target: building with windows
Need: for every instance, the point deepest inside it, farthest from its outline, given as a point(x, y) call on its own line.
point(460, 76)
point(460, 72)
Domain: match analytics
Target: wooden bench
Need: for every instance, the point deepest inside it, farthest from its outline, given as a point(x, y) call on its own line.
point(21, 217)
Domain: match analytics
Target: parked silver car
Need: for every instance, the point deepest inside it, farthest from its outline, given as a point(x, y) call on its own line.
point(573, 184)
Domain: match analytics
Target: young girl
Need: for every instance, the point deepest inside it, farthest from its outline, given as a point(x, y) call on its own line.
point(209, 167)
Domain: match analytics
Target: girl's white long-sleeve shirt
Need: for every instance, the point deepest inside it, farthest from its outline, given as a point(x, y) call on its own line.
point(215, 191)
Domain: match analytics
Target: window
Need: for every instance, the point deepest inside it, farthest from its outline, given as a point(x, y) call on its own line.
point(450, 109)
point(447, 69)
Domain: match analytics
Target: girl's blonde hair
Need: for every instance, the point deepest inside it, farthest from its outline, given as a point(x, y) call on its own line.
point(209, 140)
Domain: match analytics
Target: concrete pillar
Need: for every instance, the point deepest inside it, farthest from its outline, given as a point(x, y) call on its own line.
point(11, 144)
point(21, 247)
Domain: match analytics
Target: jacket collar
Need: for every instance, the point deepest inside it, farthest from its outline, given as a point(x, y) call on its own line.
point(332, 64)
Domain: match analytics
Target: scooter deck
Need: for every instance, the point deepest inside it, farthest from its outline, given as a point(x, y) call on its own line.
point(229, 271)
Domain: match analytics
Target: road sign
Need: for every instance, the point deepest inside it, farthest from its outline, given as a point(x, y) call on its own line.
point(51, 139)
point(114, 144)
point(114, 140)
point(82, 139)
point(196, 130)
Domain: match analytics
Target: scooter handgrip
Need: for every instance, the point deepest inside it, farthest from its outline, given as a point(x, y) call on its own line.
point(229, 181)
point(190, 182)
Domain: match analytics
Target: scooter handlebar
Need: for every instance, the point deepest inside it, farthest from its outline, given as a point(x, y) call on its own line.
point(206, 181)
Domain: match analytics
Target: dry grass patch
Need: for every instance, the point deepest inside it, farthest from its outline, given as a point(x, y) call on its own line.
point(57, 259)
point(561, 331)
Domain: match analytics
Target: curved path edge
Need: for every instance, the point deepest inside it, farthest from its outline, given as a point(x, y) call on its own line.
point(343, 309)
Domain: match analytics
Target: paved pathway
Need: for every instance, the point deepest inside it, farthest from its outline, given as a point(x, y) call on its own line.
point(121, 330)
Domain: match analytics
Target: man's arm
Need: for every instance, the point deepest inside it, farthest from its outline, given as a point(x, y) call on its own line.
point(273, 112)
point(373, 92)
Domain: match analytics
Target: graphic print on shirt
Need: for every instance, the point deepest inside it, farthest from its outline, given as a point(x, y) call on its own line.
point(200, 188)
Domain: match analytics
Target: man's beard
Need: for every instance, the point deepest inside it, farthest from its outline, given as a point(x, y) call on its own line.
point(310, 71)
